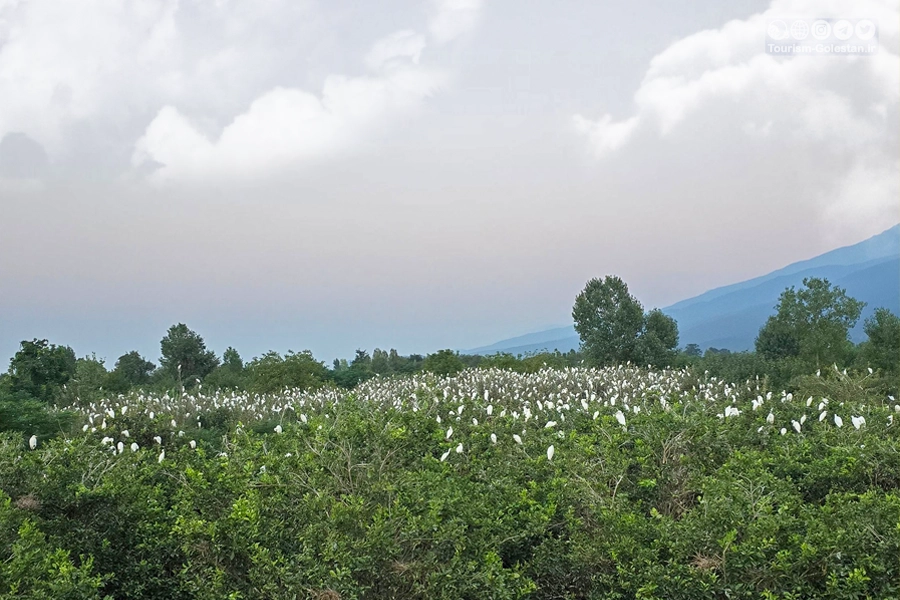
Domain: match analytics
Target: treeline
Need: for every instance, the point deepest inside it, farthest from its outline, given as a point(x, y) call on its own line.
point(807, 336)
point(42, 374)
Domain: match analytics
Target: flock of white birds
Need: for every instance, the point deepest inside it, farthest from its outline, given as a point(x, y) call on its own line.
point(504, 406)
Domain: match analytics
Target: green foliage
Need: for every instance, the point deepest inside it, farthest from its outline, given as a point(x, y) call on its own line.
point(133, 369)
point(185, 358)
point(443, 362)
point(658, 340)
point(609, 320)
point(40, 369)
point(88, 381)
point(30, 567)
point(811, 325)
point(231, 374)
point(364, 498)
point(882, 349)
point(273, 372)
point(614, 329)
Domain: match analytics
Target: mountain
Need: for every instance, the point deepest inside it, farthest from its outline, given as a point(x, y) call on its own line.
point(730, 316)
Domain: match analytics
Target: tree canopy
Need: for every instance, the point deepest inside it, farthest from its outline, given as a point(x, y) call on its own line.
point(614, 329)
point(185, 358)
point(811, 325)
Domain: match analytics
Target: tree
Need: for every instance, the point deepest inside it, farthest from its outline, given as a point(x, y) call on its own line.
point(811, 324)
point(443, 362)
point(614, 329)
point(88, 381)
point(658, 339)
point(134, 369)
point(693, 350)
point(39, 369)
point(882, 349)
point(608, 320)
point(272, 373)
point(231, 374)
point(185, 357)
point(381, 363)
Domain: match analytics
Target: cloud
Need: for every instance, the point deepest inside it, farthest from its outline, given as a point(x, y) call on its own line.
point(282, 127)
point(720, 86)
point(604, 134)
point(286, 125)
point(399, 45)
point(453, 18)
point(114, 63)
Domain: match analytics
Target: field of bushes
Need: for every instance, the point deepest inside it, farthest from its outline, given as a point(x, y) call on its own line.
point(564, 483)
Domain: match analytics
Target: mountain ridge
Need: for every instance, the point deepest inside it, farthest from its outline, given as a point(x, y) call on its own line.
point(729, 317)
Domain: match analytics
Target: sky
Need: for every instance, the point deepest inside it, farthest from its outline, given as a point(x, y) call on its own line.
point(293, 174)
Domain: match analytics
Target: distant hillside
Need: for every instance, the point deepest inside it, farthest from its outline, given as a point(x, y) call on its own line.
point(730, 316)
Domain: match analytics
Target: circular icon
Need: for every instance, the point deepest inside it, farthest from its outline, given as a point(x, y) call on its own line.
point(777, 30)
point(821, 29)
point(799, 30)
point(865, 29)
point(843, 30)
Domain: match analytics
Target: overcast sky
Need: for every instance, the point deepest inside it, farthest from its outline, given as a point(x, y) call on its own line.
point(285, 174)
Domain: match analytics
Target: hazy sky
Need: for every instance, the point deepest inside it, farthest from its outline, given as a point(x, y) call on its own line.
point(281, 174)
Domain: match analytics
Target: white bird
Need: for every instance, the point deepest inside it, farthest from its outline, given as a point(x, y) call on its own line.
point(162, 457)
point(550, 424)
point(32, 442)
point(120, 447)
point(135, 447)
point(550, 452)
point(445, 455)
point(620, 418)
point(795, 425)
point(838, 421)
point(193, 444)
point(517, 438)
point(770, 419)
point(449, 433)
point(157, 439)
point(459, 448)
point(493, 438)
point(858, 421)
point(278, 429)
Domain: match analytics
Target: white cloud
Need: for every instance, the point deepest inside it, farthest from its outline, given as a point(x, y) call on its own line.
point(839, 111)
point(283, 126)
point(286, 125)
point(399, 45)
point(453, 18)
point(205, 87)
point(604, 134)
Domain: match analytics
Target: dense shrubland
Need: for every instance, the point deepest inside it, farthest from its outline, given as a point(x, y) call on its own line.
point(564, 483)
point(766, 474)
